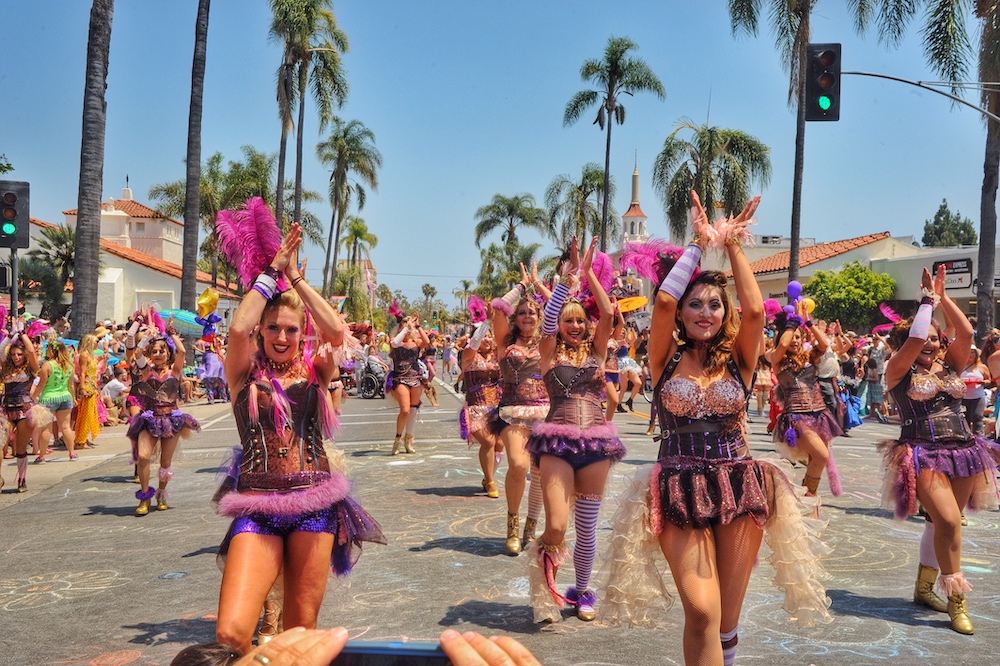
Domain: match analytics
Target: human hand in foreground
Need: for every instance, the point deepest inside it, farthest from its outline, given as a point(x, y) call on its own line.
point(297, 647)
point(473, 649)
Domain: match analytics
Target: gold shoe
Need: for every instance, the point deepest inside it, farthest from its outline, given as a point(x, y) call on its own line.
point(396, 445)
point(269, 623)
point(491, 489)
point(923, 593)
point(143, 508)
point(161, 502)
point(958, 611)
point(513, 540)
point(408, 444)
point(649, 431)
point(965, 521)
point(529, 531)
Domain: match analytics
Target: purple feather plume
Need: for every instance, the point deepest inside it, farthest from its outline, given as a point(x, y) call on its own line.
point(3, 316)
point(249, 237)
point(604, 270)
point(463, 424)
point(791, 437)
point(477, 309)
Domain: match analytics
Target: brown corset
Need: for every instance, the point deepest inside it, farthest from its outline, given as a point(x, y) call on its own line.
point(575, 393)
point(799, 392)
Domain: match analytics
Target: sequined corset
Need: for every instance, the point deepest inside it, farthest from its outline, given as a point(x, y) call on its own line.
point(16, 389)
point(799, 392)
point(482, 382)
point(575, 393)
point(701, 421)
point(289, 460)
point(931, 408)
point(158, 393)
point(404, 360)
point(520, 368)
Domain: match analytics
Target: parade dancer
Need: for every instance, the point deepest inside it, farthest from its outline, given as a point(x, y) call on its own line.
point(706, 503)
point(406, 382)
point(574, 447)
point(18, 372)
point(292, 516)
point(56, 389)
point(523, 400)
point(88, 419)
point(482, 396)
point(938, 460)
point(806, 427)
point(161, 425)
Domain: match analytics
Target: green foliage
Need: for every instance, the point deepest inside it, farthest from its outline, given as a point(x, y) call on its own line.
point(851, 295)
point(40, 279)
point(948, 229)
point(5, 165)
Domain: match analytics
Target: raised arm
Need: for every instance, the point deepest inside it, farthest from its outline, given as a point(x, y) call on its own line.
point(899, 363)
point(604, 325)
point(550, 316)
point(747, 346)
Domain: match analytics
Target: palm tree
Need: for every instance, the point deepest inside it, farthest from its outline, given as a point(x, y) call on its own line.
point(615, 75)
point(510, 214)
point(88, 221)
point(571, 207)
point(349, 148)
point(57, 248)
point(192, 205)
point(462, 293)
point(39, 279)
point(358, 240)
point(500, 266)
point(722, 165)
point(312, 47)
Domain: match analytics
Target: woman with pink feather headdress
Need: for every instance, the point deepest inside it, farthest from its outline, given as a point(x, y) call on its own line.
point(938, 460)
point(292, 515)
point(523, 399)
point(574, 447)
point(706, 504)
point(481, 371)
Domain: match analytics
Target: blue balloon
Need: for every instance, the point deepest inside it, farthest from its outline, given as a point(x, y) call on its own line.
point(794, 290)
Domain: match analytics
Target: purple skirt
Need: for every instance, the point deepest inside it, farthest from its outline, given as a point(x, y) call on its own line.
point(163, 425)
point(905, 459)
point(697, 492)
point(823, 423)
point(574, 444)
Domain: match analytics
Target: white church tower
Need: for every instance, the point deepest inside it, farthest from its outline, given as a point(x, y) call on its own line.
point(634, 220)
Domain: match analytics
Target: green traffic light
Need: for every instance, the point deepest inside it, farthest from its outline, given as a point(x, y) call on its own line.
point(824, 102)
point(8, 228)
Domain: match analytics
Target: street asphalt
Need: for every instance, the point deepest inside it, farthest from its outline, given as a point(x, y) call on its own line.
point(84, 581)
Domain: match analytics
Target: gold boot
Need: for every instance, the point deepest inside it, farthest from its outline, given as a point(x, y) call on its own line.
point(529, 531)
point(161, 501)
point(408, 444)
point(396, 445)
point(923, 593)
point(958, 611)
point(513, 540)
point(143, 508)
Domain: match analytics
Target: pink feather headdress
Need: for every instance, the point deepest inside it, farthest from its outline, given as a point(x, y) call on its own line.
point(249, 237)
point(889, 314)
point(477, 309)
point(604, 270)
point(394, 311)
point(652, 259)
point(771, 308)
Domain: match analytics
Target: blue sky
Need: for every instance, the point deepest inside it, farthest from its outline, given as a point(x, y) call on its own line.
point(466, 101)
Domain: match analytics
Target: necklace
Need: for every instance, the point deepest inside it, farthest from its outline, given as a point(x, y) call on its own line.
point(282, 368)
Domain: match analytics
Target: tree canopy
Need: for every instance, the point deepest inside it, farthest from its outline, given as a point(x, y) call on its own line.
point(851, 295)
point(948, 229)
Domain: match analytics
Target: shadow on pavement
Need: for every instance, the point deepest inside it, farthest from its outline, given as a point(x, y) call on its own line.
point(182, 632)
point(460, 491)
point(207, 550)
point(503, 617)
point(900, 611)
point(110, 479)
point(111, 511)
point(493, 547)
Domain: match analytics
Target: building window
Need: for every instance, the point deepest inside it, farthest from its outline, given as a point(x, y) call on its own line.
point(140, 228)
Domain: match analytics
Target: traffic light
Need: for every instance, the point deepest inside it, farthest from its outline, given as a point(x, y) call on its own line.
point(823, 82)
point(14, 225)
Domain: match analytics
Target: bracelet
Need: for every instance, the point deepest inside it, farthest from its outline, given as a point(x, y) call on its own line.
point(272, 273)
point(697, 239)
point(266, 286)
point(297, 280)
point(171, 330)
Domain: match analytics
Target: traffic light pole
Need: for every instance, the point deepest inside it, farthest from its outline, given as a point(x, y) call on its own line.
point(921, 84)
point(13, 286)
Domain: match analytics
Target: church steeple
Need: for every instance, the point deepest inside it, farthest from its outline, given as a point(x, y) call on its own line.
point(634, 220)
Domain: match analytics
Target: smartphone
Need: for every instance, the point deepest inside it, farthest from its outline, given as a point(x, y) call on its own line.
point(391, 653)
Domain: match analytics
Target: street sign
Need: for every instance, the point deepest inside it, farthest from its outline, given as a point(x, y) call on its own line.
point(958, 273)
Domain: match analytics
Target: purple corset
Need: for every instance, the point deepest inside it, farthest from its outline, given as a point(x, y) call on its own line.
point(522, 379)
point(482, 385)
point(938, 419)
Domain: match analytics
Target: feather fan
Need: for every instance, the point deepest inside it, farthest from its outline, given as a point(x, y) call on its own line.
point(645, 258)
point(477, 309)
point(249, 237)
point(604, 270)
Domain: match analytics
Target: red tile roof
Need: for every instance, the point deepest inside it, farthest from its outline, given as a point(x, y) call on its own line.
point(144, 259)
point(634, 211)
point(132, 208)
point(814, 253)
